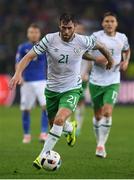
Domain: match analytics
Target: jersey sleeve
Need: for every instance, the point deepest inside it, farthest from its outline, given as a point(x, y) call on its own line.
point(19, 54)
point(126, 44)
point(42, 46)
point(90, 42)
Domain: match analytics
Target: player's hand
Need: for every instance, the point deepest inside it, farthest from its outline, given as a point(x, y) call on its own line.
point(110, 64)
point(16, 79)
point(124, 65)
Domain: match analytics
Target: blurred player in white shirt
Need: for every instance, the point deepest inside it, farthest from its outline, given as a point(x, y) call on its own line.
point(104, 85)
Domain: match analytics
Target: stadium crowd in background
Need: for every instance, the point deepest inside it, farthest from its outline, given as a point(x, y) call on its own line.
point(16, 15)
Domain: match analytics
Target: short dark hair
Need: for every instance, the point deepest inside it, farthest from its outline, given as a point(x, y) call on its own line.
point(67, 17)
point(109, 13)
point(34, 25)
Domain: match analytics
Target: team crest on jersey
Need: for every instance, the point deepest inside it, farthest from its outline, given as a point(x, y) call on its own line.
point(77, 50)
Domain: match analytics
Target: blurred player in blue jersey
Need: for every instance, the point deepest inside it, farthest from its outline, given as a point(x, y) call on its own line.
point(33, 84)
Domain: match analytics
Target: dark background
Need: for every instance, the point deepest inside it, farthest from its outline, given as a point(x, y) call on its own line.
point(16, 15)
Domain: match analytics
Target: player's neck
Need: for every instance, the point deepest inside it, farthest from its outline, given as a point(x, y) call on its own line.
point(70, 39)
point(111, 33)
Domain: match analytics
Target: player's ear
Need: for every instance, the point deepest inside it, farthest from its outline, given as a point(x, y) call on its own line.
point(59, 27)
point(59, 24)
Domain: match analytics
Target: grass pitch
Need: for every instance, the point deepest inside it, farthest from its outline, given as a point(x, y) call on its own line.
point(77, 162)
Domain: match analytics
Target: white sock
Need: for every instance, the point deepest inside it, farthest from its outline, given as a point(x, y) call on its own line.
point(104, 130)
point(52, 138)
point(67, 126)
point(96, 126)
point(79, 116)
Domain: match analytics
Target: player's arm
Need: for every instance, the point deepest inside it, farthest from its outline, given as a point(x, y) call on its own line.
point(105, 51)
point(87, 56)
point(125, 54)
point(102, 48)
point(16, 79)
point(125, 59)
point(21, 78)
point(37, 49)
point(99, 59)
point(85, 69)
point(19, 55)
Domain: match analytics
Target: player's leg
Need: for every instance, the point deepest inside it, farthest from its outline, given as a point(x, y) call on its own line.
point(79, 116)
point(97, 93)
point(98, 122)
point(65, 105)
point(54, 134)
point(52, 104)
point(70, 101)
point(27, 101)
point(39, 90)
point(109, 99)
point(26, 126)
point(56, 130)
point(97, 103)
point(79, 112)
point(105, 116)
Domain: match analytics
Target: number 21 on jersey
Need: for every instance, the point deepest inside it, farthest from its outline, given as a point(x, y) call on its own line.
point(63, 59)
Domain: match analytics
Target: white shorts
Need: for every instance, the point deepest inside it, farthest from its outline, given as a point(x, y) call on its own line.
point(30, 92)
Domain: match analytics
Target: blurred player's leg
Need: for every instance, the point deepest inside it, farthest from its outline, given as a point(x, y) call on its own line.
point(102, 129)
point(27, 101)
point(104, 100)
point(39, 90)
point(109, 99)
point(79, 113)
point(44, 125)
point(96, 126)
point(79, 117)
point(26, 126)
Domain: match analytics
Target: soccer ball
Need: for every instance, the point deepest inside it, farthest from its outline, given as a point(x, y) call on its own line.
point(51, 161)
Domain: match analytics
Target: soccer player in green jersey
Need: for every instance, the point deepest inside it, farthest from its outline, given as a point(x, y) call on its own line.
point(104, 85)
point(64, 51)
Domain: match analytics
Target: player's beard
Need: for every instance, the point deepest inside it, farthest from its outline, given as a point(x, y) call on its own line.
point(67, 38)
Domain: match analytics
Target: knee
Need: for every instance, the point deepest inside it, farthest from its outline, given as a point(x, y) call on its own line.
point(61, 116)
point(59, 120)
point(107, 112)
